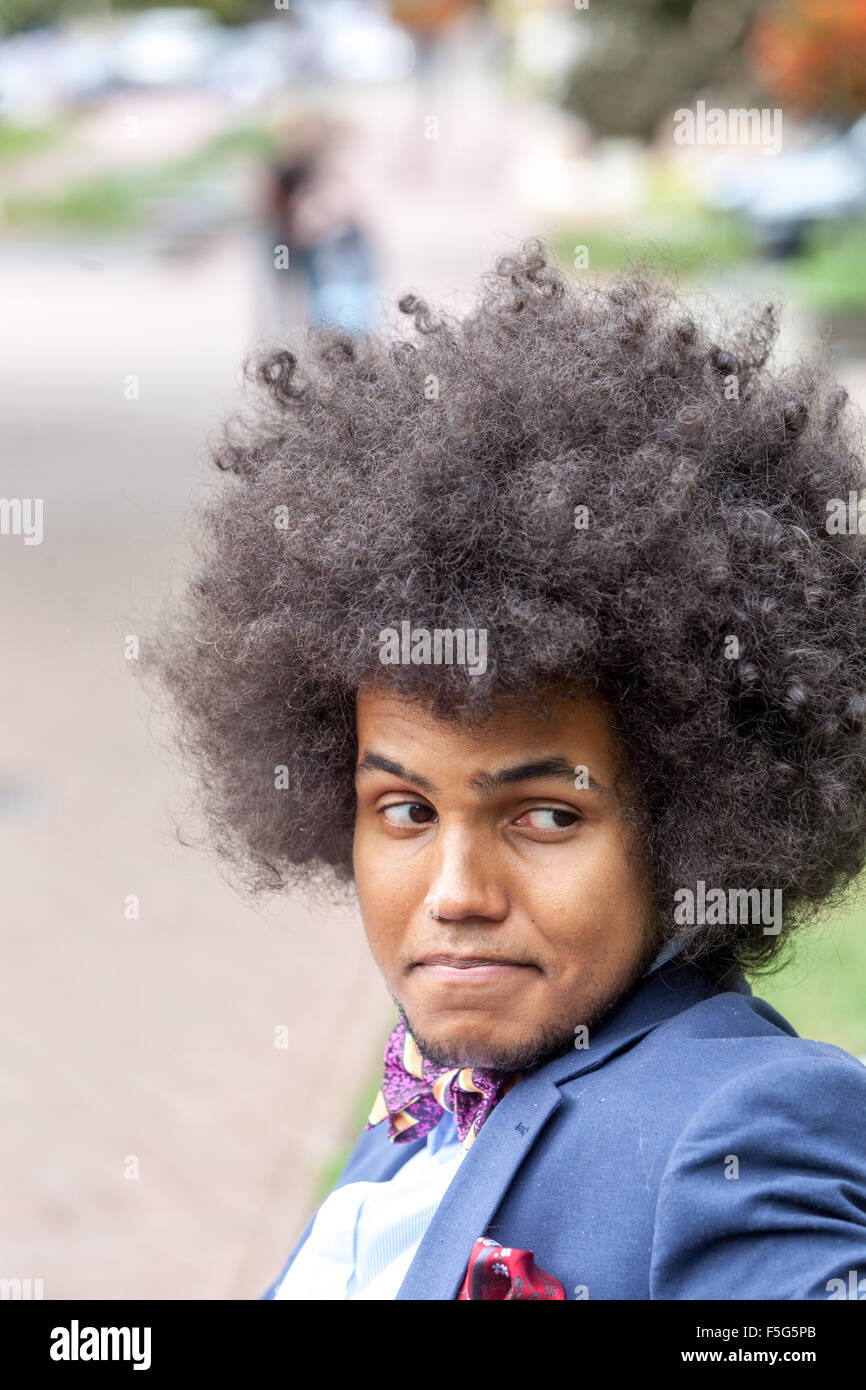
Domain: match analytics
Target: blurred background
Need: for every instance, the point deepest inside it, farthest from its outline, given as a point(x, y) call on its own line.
point(177, 184)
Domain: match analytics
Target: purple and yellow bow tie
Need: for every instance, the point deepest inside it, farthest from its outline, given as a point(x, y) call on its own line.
point(415, 1093)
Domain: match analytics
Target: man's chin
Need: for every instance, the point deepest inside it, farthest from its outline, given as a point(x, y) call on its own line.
point(446, 1048)
point(469, 1041)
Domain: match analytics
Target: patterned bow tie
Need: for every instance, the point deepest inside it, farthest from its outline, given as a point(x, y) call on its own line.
point(415, 1093)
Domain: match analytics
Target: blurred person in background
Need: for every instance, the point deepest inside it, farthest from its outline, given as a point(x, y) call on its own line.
point(317, 224)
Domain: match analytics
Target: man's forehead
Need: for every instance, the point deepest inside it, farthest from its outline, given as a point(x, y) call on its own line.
point(402, 737)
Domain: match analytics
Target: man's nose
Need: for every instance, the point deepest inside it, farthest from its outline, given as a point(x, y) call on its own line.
point(466, 882)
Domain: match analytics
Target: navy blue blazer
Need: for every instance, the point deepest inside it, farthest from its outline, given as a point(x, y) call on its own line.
point(696, 1148)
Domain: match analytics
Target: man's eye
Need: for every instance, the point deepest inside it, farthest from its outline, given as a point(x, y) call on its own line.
point(548, 818)
point(405, 814)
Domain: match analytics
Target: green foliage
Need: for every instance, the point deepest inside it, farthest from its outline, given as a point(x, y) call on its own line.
point(34, 14)
point(228, 11)
point(648, 57)
point(17, 15)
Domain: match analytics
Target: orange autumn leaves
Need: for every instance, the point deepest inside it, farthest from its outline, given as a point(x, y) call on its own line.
point(811, 55)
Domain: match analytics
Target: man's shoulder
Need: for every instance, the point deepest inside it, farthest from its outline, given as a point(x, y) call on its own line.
point(738, 1031)
point(732, 1052)
point(715, 1133)
point(752, 1060)
point(767, 1151)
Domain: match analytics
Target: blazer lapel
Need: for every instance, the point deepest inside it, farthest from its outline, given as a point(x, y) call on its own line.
point(508, 1134)
point(476, 1189)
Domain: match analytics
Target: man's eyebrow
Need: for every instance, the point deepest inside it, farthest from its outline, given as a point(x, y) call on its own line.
point(372, 762)
point(554, 766)
point(485, 782)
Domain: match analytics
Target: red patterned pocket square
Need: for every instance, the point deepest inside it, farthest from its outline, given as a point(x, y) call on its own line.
point(499, 1271)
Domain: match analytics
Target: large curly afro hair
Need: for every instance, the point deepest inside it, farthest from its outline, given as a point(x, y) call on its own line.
point(438, 475)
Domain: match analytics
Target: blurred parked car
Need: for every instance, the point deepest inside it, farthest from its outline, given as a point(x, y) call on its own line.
point(84, 64)
point(355, 42)
point(30, 89)
point(783, 195)
point(44, 70)
point(258, 59)
point(163, 47)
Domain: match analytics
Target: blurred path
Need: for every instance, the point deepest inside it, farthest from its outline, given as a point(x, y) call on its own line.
point(151, 1038)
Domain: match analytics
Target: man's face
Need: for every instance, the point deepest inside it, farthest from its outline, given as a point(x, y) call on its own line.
point(503, 903)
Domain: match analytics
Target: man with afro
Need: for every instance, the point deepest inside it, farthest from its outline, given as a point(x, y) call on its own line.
point(570, 555)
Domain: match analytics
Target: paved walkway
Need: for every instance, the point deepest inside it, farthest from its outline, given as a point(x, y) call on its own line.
point(146, 1042)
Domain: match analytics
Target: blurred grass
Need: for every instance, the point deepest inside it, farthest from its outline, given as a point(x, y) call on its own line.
point(17, 141)
point(683, 243)
point(673, 228)
point(123, 201)
point(822, 990)
point(831, 274)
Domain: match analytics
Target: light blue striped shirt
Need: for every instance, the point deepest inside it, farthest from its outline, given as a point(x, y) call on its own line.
point(366, 1234)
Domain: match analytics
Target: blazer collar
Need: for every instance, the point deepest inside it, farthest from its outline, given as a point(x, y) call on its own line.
point(508, 1134)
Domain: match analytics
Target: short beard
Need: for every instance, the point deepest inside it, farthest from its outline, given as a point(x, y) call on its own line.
point(519, 1057)
point(548, 1043)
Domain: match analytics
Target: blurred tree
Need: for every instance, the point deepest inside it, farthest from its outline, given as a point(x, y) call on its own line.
point(811, 55)
point(31, 14)
point(229, 11)
point(16, 15)
point(644, 58)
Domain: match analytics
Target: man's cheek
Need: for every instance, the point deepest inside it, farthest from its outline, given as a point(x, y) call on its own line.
point(383, 917)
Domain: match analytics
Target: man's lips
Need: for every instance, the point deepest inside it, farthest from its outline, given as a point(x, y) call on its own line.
point(470, 968)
